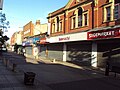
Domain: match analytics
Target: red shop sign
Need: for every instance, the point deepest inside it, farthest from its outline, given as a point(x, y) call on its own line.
point(101, 34)
point(43, 41)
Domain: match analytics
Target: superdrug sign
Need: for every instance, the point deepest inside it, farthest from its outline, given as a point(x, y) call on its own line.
point(101, 34)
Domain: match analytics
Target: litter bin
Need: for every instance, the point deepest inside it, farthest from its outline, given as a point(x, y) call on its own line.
point(29, 78)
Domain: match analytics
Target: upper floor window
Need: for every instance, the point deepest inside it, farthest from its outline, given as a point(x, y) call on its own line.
point(85, 19)
point(73, 21)
point(61, 26)
point(116, 13)
point(57, 24)
point(53, 27)
point(80, 17)
point(108, 13)
point(117, 9)
point(107, 16)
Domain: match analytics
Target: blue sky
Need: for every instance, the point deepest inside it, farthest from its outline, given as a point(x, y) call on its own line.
point(20, 12)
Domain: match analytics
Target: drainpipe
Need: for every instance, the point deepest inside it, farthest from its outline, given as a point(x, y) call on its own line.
point(93, 4)
point(64, 22)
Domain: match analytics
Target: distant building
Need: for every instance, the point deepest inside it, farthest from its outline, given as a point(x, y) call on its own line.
point(32, 35)
point(40, 28)
point(28, 30)
point(16, 39)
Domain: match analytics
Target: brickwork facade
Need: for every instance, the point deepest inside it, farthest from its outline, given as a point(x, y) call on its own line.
point(90, 13)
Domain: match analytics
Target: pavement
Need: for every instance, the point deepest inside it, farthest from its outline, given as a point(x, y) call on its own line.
point(52, 75)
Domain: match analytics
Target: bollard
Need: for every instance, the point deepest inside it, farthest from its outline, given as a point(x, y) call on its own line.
point(53, 60)
point(14, 66)
point(107, 69)
point(6, 62)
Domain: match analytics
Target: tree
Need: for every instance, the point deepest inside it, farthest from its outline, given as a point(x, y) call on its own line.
point(3, 25)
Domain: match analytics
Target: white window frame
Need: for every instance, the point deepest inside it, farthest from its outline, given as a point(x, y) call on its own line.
point(53, 27)
point(105, 13)
point(116, 12)
point(72, 23)
point(83, 15)
point(60, 25)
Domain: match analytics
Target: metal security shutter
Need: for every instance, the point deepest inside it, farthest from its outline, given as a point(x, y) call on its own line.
point(108, 50)
point(55, 51)
point(42, 51)
point(28, 50)
point(79, 53)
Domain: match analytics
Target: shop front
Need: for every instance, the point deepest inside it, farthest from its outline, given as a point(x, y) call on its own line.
point(31, 48)
point(43, 51)
point(91, 48)
point(106, 45)
point(71, 48)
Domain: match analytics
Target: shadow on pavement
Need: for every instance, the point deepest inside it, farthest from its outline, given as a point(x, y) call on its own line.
point(60, 76)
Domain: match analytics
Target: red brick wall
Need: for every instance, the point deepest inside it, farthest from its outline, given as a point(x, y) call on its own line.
point(95, 16)
point(28, 26)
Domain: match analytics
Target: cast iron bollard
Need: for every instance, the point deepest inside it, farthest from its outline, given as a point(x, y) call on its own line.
point(107, 69)
point(14, 66)
point(29, 78)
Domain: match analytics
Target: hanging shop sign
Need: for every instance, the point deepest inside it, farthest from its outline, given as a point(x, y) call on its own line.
point(103, 34)
point(30, 41)
point(43, 41)
point(35, 39)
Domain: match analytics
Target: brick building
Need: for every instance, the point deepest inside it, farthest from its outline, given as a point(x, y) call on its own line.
point(86, 32)
point(16, 39)
point(32, 34)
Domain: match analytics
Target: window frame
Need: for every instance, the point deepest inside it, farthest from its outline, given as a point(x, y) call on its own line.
point(80, 17)
point(53, 27)
point(60, 26)
point(57, 23)
point(84, 19)
point(105, 13)
point(116, 12)
point(108, 13)
point(73, 22)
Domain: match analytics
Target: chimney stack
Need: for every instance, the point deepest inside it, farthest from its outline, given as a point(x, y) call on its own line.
point(37, 22)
